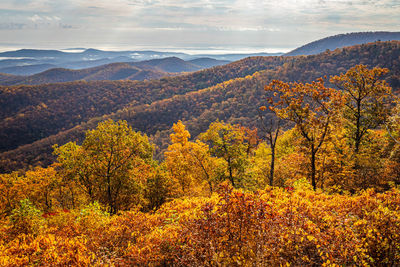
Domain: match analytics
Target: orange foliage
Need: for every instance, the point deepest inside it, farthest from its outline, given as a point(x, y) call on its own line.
point(275, 226)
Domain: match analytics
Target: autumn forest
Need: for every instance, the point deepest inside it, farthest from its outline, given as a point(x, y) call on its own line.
point(265, 161)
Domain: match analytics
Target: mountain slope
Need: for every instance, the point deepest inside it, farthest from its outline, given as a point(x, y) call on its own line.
point(27, 70)
point(9, 78)
point(342, 40)
point(170, 64)
point(29, 113)
point(206, 62)
point(113, 71)
point(235, 100)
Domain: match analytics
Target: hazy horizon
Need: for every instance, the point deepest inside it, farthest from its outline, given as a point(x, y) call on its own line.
point(186, 50)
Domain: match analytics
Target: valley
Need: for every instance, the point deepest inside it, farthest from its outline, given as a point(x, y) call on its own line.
point(34, 115)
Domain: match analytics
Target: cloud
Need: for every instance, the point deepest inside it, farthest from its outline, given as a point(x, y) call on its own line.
point(216, 22)
point(37, 18)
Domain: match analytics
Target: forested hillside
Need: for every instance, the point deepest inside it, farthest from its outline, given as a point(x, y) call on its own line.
point(217, 199)
point(114, 71)
point(234, 100)
point(30, 113)
point(342, 40)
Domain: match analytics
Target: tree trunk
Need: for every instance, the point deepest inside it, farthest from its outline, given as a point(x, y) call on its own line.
point(313, 171)
point(358, 126)
point(109, 196)
point(272, 169)
point(230, 172)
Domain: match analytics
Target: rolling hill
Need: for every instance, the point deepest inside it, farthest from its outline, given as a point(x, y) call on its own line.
point(232, 98)
point(29, 113)
point(342, 40)
point(142, 70)
point(207, 62)
point(113, 71)
point(170, 64)
point(27, 69)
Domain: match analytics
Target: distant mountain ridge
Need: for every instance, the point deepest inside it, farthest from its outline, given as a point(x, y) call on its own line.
point(142, 70)
point(207, 62)
point(342, 40)
point(33, 61)
point(27, 69)
point(169, 64)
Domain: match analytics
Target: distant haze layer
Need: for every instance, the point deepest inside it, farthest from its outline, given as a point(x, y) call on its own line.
point(187, 50)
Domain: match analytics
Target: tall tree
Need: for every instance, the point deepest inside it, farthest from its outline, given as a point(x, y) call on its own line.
point(368, 100)
point(190, 163)
point(233, 144)
point(110, 165)
point(311, 107)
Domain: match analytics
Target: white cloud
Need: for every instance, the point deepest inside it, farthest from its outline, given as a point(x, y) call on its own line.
point(35, 18)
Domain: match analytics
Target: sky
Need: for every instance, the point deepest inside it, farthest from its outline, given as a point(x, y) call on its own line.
point(183, 25)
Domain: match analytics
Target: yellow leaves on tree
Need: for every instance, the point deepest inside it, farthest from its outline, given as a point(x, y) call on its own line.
point(105, 164)
point(190, 164)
